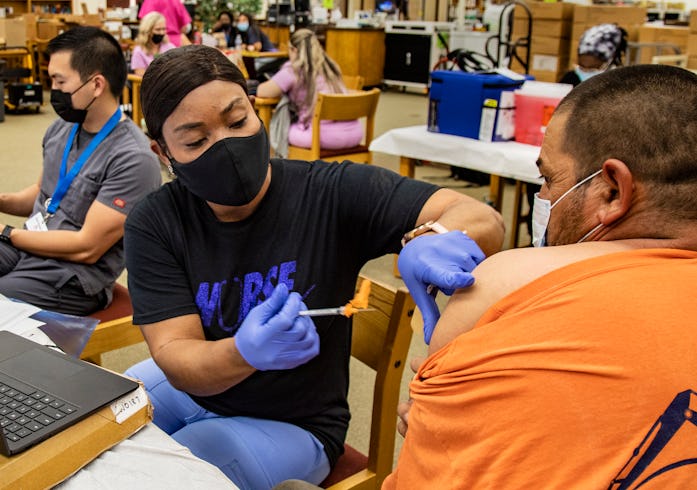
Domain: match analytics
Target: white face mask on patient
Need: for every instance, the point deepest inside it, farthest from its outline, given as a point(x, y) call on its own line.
point(541, 210)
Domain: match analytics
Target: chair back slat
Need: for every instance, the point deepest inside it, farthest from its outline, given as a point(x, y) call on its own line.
point(341, 107)
point(346, 107)
point(381, 340)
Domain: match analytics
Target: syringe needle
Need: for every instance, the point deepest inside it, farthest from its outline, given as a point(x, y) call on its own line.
point(322, 312)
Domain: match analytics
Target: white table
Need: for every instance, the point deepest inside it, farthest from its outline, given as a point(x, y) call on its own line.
point(149, 459)
point(506, 159)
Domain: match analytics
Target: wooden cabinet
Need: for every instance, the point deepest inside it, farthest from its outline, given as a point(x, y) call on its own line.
point(279, 35)
point(358, 52)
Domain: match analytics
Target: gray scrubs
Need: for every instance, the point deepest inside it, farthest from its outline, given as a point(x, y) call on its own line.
point(120, 171)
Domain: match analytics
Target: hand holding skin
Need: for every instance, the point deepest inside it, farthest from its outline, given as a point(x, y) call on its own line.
point(403, 414)
point(445, 261)
point(404, 407)
point(273, 336)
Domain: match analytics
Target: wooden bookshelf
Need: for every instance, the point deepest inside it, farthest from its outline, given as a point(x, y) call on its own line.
point(43, 6)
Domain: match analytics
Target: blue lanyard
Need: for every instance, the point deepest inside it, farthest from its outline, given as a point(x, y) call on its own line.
point(64, 180)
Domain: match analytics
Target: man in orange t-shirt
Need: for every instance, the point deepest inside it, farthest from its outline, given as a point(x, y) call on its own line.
point(573, 366)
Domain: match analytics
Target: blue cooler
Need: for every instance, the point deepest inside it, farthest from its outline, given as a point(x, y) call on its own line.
point(474, 105)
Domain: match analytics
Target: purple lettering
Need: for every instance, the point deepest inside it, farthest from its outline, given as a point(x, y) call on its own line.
point(287, 268)
point(251, 287)
point(270, 282)
point(208, 301)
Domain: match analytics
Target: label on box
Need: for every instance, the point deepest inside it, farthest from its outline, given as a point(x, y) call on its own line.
point(505, 124)
point(545, 62)
point(486, 123)
point(128, 405)
point(497, 122)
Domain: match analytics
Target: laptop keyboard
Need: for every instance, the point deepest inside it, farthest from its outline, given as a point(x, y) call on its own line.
point(25, 410)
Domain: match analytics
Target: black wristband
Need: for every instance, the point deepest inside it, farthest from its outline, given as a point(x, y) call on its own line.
point(5, 236)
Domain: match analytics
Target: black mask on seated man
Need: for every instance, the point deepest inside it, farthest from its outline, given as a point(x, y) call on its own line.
point(230, 172)
point(62, 103)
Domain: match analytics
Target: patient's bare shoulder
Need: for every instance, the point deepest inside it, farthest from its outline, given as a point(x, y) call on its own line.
point(503, 273)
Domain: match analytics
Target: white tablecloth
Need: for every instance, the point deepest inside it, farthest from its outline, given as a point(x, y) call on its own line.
point(506, 159)
point(151, 460)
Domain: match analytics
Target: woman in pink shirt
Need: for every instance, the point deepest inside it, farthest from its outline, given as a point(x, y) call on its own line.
point(308, 72)
point(151, 41)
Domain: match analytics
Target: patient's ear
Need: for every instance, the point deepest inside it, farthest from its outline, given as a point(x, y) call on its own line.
point(160, 152)
point(618, 193)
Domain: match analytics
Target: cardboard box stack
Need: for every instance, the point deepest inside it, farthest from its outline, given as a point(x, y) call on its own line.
point(430, 10)
point(586, 16)
point(23, 30)
point(30, 25)
point(551, 30)
point(13, 32)
point(670, 35)
point(50, 27)
point(82, 20)
point(18, 31)
point(692, 42)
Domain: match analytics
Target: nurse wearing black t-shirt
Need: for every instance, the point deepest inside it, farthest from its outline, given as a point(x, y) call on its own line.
point(222, 259)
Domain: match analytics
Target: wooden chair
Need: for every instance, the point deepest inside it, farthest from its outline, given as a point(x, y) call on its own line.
point(41, 57)
point(115, 328)
point(353, 82)
point(135, 99)
point(519, 217)
point(264, 107)
point(126, 98)
point(381, 341)
point(340, 107)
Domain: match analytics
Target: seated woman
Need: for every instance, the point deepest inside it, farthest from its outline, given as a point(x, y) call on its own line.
point(224, 26)
point(309, 72)
point(253, 38)
point(151, 42)
point(600, 48)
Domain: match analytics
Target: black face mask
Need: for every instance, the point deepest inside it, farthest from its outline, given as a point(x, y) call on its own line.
point(230, 173)
point(62, 103)
point(157, 38)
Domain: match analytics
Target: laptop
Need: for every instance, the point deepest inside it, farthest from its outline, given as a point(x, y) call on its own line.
point(43, 392)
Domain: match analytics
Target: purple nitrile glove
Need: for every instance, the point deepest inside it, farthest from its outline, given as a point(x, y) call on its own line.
point(273, 336)
point(445, 261)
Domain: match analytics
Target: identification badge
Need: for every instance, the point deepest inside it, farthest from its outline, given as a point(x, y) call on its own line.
point(36, 223)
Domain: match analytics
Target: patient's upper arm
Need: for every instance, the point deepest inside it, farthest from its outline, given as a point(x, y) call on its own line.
point(503, 273)
point(495, 277)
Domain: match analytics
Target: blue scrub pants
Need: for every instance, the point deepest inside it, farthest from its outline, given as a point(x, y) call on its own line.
point(254, 453)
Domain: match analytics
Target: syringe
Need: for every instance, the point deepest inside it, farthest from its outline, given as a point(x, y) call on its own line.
point(341, 310)
point(358, 304)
